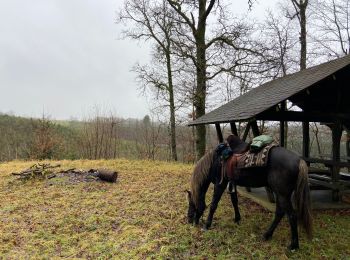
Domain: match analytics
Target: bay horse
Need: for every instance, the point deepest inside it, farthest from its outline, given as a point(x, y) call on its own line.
point(284, 174)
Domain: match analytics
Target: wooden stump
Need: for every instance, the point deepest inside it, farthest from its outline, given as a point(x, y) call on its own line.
point(107, 175)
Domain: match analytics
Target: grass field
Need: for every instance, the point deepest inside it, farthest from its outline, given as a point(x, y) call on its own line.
point(141, 216)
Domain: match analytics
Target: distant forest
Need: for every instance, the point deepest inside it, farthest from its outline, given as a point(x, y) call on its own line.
point(108, 137)
point(100, 137)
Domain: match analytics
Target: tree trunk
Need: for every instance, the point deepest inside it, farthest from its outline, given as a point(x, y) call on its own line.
point(200, 95)
point(303, 48)
point(172, 109)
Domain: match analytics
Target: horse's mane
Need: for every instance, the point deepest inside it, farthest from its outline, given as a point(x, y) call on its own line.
point(200, 174)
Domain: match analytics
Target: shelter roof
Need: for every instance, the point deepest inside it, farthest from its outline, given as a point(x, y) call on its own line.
point(272, 93)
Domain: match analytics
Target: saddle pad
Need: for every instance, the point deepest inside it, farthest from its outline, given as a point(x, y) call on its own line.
point(251, 159)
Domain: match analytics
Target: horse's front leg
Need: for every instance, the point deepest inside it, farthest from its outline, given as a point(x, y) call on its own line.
point(234, 200)
point(218, 191)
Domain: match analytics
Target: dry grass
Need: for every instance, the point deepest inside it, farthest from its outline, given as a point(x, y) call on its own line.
point(141, 216)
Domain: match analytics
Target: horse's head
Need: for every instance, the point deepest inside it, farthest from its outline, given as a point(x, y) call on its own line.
point(191, 208)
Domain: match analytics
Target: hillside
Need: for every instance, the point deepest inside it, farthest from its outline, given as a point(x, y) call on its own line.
point(143, 215)
point(95, 138)
point(19, 134)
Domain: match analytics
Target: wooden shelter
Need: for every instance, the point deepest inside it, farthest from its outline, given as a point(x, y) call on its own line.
point(321, 92)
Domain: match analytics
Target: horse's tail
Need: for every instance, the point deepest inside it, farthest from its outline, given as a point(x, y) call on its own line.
point(200, 175)
point(302, 199)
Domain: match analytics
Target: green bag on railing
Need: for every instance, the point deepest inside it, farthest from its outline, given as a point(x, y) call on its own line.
point(259, 142)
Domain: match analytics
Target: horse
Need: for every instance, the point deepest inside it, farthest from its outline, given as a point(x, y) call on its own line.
point(285, 174)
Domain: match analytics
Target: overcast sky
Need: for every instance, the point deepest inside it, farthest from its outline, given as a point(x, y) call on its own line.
point(62, 57)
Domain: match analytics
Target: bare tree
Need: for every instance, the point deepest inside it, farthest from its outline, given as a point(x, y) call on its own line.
point(45, 142)
point(332, 34)
point(332, 27)
point(152, 22)
point(226, 49)
point(150, 137)
point(100, 136)
point(300, 7)
point(280, 38)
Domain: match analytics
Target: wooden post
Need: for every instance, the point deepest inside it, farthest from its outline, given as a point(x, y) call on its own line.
point(255, 128)
point(306, 140)
point(246, 132)
point(282, 125)
point(234, 128)
point(347, 144)
point(256, 132)
point(336, 136)
point(282, 143)
point(219, 133)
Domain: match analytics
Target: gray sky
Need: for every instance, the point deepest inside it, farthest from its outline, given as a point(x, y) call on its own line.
point(64, 56)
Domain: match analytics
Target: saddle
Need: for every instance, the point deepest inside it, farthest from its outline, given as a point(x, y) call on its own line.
point(243, 157)
point(232, 165)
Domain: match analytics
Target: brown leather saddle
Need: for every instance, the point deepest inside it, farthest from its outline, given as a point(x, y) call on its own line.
point(231, 165)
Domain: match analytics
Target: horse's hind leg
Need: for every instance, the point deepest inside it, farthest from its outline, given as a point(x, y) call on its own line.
point(278, 216)
point(218, 191)
point(287, 207)
point(293, 222)
point(284, 205)
point(234, 200)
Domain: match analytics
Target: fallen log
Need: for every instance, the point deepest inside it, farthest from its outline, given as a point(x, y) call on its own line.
point(107, 175)
point(104, 174)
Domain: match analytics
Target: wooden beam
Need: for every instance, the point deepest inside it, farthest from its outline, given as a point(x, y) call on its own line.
point(323, 183)
point(303, 116)
point(233, 128)
point(269, 192)
point(327, 163)
point(246, 132)
point(306, 140)
point(282, 128)
point(282, 133)
point(347, 147)
point(336, 136)
point(255, 128)
point(219, 133)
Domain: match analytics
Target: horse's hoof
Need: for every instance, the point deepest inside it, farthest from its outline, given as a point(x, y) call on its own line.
point(204, 228)
point(293, 247)
point(237, 221)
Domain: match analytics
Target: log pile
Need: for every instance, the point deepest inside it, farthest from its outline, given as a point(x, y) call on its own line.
point(37, 171)
point(45, 171)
